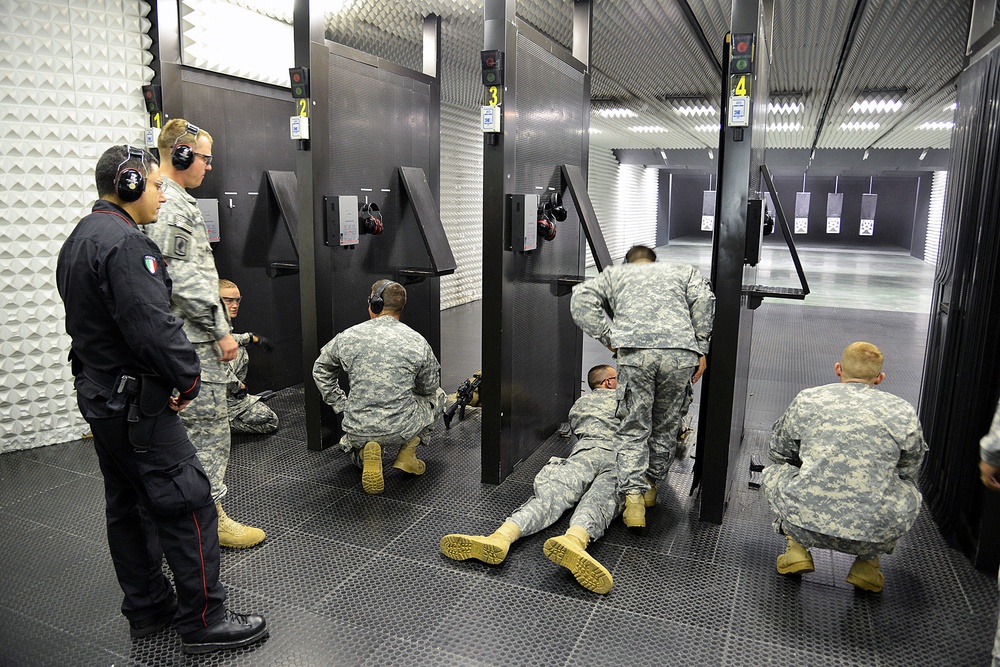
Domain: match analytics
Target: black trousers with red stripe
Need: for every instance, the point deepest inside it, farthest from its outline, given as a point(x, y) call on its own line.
point(159, 503)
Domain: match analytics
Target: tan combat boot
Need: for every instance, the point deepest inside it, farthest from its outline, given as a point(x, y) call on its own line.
point(371, 468)
point(490, 549)
point(796, 559)
point(634, 515)
point(649, 498)
point(570, 551)
point(866, 575)
point(235, 535)
point(406, 459)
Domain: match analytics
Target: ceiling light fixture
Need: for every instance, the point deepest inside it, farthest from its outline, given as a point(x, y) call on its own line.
point(923, 154)
point(648, 129)
point(618, 112)
point(784, 127)
point(711, 154)
point(696, 110)
point(663, 154)
point(784, 107)
point(937, 125)
point(865, 156)
point(859, 125)
point(876, 106)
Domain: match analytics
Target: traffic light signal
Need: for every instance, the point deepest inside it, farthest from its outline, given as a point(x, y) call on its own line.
point(300, 82)
point(152, 97)
point(492, 62)
point(741, 54)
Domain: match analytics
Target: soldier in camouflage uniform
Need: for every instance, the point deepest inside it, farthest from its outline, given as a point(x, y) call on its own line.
point(247, 413)
point(588, 476)
point(180, 233)
point(846, 456)
point(395, 393)
point(661, 327)
point(989, 472)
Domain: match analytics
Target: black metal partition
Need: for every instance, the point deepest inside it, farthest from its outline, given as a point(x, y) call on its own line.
point(724, 393)
point(532, 349)
point(961, 381)
point(379, 117)
point(249, 125)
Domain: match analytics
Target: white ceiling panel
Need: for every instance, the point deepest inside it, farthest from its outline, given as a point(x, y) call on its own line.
point(648, 56)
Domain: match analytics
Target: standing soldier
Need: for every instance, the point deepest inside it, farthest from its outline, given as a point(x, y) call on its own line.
point(395, 386)
point(128, 354)
point(186, 156)
point(660, 327)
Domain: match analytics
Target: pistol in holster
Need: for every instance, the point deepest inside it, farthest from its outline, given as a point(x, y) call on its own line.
point(145, 405)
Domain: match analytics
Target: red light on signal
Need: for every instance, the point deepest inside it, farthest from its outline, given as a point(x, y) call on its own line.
point(490, 62)
point(741, 47)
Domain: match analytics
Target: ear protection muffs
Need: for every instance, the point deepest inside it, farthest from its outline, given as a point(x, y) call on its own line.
point(375, 301)
point(182, 154)
point(554, 207)
point(130, 182)
point(546, 228)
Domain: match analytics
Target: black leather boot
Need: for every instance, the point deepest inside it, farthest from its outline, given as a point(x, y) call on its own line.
point(233, 631)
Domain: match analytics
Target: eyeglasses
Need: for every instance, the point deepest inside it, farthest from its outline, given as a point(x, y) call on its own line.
point(206, 158)
point(232, 299)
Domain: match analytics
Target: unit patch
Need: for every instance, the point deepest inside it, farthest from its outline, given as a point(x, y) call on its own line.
point(150, 263)
point(180, 245)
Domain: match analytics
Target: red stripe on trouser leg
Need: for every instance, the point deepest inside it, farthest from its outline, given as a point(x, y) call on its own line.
point(201, 559)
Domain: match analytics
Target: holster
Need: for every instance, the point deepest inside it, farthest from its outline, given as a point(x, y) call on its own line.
point(148, 404)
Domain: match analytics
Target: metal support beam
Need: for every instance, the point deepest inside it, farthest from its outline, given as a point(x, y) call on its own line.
point(498, 151)
point(699, 34)
point(168, 42)
point(432, 44)
point(583, 30)
point(845, 51)
point(983, 15)
point(310, 166)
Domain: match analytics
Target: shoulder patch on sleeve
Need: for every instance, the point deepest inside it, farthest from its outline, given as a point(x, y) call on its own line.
point(151, 265)
point(178, 244)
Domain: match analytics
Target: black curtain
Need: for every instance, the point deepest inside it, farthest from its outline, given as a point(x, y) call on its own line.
point(962, 368)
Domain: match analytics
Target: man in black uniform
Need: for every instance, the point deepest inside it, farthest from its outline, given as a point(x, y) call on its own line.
point(128, 355)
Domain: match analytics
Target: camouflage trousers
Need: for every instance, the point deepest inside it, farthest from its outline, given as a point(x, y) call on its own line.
point(252, 415)
point(586, 479)
point(654, 394)
point(353, 444)
point(206, 420)
point(810, 539)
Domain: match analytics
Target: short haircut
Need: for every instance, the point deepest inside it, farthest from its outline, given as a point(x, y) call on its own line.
point(174, 130)
point(598, 374)
point(862, 361)
point(393, 297)
point(639, 252)
point(111, 162)
point(226, 284)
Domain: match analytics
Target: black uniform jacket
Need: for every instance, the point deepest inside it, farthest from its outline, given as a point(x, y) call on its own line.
point(114, 284)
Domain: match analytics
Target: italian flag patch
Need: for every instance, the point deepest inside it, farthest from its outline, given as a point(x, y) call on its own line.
point(150, 263)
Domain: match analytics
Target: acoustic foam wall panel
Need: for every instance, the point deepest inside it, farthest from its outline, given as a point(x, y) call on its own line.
point(70, 77)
